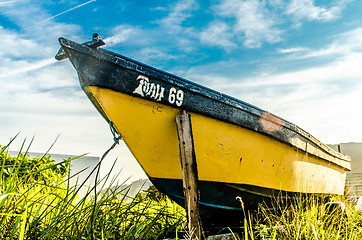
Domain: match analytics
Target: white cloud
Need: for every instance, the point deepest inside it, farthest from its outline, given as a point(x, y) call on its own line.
point(306, 9)
point(253, 24)
point(218, 34)
point(115, 39)
point(155, 54)
point(177, 15)
point(16, 45)
point(167, 30)
point(139, 39)
point(159, 9)
point(343, 44)
point(6, 3)
point(256, 22)
point(173, 29)
point(347, 67)
point(27, 13)
point(292, 50)
point(61, 13)
point(24, 13)
point(24, 58)
point(26, 67)
point(123, 33)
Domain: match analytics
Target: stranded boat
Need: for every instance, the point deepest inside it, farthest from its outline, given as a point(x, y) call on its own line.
point(241, 150)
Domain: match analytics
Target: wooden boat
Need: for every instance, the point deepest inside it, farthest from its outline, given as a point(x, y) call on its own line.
point(241, 150)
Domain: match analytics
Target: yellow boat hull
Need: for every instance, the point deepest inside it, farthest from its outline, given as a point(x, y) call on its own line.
point(224, 152)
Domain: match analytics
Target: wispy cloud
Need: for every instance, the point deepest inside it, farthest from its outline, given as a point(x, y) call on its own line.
point(256, 22)
point(28, 67)
point(43, 26)
point(123, 33)
point(27, 61)
point(167, 36)
point(49, 18)
point(156, 54)
point(306, 9)
point(177, 15)
point(174, 26)
point(253, 24)
point(23, 13)
point(292, 50)
point(345, 68)
point(218, 34)
point(343, 63)
point(16, 45)
point(343, 44)
point(6, 3)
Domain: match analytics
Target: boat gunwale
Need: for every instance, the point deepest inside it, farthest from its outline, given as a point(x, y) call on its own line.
point(128, 63)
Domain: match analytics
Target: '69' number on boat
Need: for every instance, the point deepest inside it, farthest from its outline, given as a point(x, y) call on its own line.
point(176, 96)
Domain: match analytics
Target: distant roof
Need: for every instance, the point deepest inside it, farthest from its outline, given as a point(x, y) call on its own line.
point(354, 150)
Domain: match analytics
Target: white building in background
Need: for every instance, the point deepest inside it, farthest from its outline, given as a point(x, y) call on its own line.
point(80, 167)
point(354, 177)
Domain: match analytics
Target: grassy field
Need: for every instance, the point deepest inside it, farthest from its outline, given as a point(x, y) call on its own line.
point(310, 218)
point(37, 202)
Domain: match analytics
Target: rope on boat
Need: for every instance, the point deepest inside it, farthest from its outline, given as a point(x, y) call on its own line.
point(116, 138)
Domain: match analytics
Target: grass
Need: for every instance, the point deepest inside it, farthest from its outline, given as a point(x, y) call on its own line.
point(36, 202)
point(307, 218)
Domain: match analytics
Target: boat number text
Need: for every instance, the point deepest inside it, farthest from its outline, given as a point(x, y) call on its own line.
point(156, 91)
point(176, 96)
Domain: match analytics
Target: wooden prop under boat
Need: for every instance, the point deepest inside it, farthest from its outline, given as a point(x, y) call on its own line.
point(241, 150)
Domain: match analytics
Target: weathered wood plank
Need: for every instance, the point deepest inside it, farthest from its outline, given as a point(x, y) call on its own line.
point(189, 173)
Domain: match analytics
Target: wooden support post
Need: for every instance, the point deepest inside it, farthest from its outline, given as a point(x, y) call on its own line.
point(189, 173)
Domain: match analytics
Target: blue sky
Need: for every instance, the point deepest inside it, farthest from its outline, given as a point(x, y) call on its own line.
point(299, 59)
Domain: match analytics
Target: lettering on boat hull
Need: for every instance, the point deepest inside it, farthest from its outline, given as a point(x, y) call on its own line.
point(156, 91)
point(147, 88)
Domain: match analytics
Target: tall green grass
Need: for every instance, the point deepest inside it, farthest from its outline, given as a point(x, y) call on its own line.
point(309, 218)
point(36, 200)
